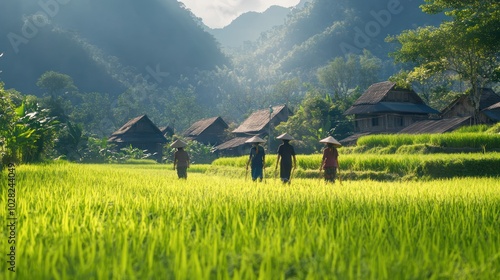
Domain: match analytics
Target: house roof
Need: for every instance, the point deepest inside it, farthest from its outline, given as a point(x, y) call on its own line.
point(130, 132)
point(258, 120)
point(391, 107)
point(488, 99)
point(165, 129)
point(377, 92)
point(200, 126)
point(494, 106)
point(436, 126)
point(374, 100)
point(233, 143)
point(493, 112)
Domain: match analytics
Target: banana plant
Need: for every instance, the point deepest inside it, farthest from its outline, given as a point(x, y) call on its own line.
point(31, 135)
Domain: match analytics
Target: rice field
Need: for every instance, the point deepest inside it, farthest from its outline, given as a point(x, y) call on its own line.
point(141, 222)
point(452, 140)
point(409, 166)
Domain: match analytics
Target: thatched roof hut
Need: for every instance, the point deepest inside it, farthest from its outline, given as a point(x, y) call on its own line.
point(258, 122)
point(207, 131)
point(140, 132)
point(463, 107)
point(385, 108)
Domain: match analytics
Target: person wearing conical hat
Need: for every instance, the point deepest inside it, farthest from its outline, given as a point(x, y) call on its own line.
point(181, 158)
point(330, 162)
point(286, 158)
point(257, 158)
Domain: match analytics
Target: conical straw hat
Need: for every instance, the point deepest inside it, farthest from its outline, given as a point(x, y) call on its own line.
point(285, 136)
point(255, 139)
point(331, 140)
point(178, 144)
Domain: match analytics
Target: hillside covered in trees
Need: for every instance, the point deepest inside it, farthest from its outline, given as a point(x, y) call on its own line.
point(102, 45)
point(90, 66)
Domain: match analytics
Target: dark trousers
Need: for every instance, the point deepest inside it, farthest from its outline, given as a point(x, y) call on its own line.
point(182, 172)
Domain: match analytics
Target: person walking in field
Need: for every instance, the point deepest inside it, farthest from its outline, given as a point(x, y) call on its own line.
point(181, 158)
point(330, 162)
point(286, 158)
point(257, 159)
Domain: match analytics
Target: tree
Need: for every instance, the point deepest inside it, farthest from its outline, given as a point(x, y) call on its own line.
point(317, 117)
point(30, 133)
point(434, 89)
point(95, 114)
point(467, 44)
point(288, 92)
point(344, 75)
point(7, 119)
point(60, 89)
point(55, 83)
point(339, 75)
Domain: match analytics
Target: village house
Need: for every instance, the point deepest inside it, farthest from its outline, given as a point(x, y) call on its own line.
point(489, 112)
point(167, 131)
point(259, 123)
point(209, 131)
point(140, 133)
point(493, 112)
point(385, 108)
point(461, 113)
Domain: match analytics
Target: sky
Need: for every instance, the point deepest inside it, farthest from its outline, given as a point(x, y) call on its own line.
point(219, 13)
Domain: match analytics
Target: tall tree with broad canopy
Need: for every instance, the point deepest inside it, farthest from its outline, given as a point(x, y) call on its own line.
point(344, 74)
point(467, 44)
point(318, 116)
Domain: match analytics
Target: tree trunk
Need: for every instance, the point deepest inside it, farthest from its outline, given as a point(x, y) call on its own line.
point(476, 92)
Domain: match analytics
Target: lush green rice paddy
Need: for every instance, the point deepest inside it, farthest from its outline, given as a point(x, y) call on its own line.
point(141, 222)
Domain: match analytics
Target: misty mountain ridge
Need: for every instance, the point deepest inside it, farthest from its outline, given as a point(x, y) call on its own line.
point(249, 26)
point(101, 46)
point(326, 29)
point(106, 49)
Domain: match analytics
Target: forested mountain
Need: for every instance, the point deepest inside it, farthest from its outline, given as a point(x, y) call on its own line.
point(102, 44)
point(325, 29)
point(95, 64)
point(155, 57)
point(249, 26)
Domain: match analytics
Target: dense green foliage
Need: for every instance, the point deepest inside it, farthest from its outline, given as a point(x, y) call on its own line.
point(464, 45)
point(141, 222)
point(148, 71)
point(111, 42)
point(317, 117)
point(318, 62)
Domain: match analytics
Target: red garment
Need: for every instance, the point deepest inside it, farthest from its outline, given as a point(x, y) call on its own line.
point(330, 157)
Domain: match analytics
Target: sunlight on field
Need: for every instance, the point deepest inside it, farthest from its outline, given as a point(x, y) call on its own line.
point(141, 222)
